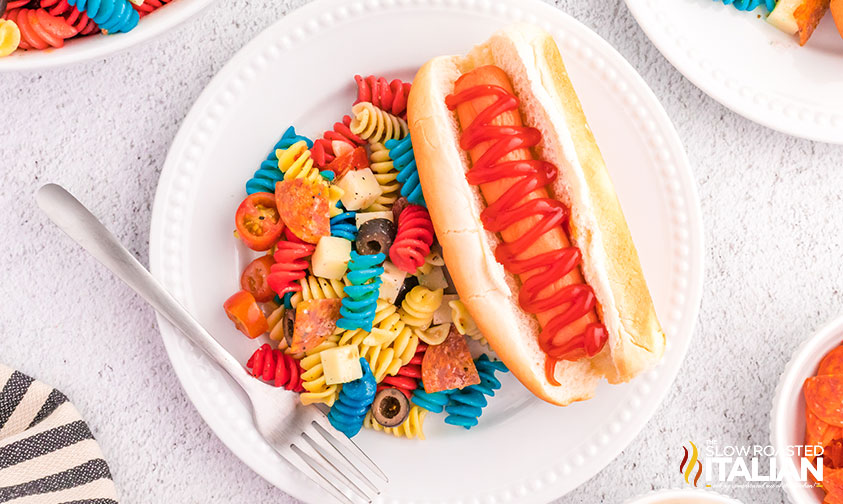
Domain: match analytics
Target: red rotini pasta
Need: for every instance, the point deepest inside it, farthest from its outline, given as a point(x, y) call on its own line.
point(326, 149)
point(408, 376)
point(388, 96)
point(78, 20)
point(148, 6)
point(277, 367)
point(39, 29)
point(413, 240)
point(290, 266)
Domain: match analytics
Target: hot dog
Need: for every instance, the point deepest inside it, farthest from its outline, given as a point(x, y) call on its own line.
point(530, 226)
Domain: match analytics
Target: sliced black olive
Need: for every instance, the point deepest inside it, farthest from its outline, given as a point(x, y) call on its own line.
point(407, 286)
point(391, 407)
point(3, 6)
point(289, 322)
point(375, 236)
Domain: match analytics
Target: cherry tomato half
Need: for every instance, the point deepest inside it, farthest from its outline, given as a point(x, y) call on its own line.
point(254, 276)
point(247, 316)
point(258, 223)
point(351, 160)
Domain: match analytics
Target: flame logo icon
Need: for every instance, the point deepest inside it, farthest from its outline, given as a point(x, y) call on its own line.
point(686, 467)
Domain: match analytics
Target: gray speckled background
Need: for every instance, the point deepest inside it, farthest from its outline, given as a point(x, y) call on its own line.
point(773, 230)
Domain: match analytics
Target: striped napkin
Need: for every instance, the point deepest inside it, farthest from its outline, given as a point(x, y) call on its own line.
point(47, 452)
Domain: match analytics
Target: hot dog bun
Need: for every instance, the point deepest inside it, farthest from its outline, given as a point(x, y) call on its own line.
point(610, 266)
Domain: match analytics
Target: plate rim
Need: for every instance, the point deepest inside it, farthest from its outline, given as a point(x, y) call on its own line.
point(691, 293)
point(795, 124)
point(164, 19)
point(660, 496)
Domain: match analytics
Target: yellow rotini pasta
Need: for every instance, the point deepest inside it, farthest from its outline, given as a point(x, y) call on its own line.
point(405, 345)
point(386, 325)
point(464, 323)
point(276, 328)
point(418, 306)
point(390, 345)
point(386, 175)
point(313, 287)
point(376, 125)
point(313, 376)
point(411, 428)
point(382, 359)
point(295, 162)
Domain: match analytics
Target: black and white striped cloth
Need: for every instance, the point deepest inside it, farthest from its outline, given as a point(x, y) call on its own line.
point(47, 452)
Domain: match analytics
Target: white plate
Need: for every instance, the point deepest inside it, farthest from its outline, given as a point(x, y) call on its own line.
point(787, 418)
point(683, 496)
point(750, 66)
point(98, 45)
point(299, 71)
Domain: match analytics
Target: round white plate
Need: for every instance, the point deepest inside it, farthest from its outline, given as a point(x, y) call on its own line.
point(299, 71)
point(787, 418)
point(750, 66)
point(98, 45)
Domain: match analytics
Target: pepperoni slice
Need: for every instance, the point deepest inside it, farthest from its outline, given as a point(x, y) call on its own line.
point(304, 208)
point(351, 160)
point(833, 454)
point(833, 485)
point(818, 432)
point(448, 365)
point(316, 319)
point(824, 397)
point(832, 363)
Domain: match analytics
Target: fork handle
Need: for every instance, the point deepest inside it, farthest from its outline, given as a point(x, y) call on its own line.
point(80, 224)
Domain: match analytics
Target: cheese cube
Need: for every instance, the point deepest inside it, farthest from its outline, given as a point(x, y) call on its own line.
point(433, 280)
point(367, 216)
point(442, 315)
point(330, 259)
point(393, 279)
point(360, 189)
point(341, 364)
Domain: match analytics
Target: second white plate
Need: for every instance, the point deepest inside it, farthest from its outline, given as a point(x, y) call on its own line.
point(750, 66)
point(299, 71)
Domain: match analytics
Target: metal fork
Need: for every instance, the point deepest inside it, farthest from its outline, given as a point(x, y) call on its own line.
point(301, 435)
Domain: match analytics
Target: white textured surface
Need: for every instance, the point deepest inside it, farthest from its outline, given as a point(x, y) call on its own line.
point(103, 128)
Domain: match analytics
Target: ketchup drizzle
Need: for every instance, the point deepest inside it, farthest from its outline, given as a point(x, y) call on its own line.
point(548, 267)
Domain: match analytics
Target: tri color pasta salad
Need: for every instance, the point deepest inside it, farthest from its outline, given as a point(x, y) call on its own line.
point(46, 24)
point(350, 289)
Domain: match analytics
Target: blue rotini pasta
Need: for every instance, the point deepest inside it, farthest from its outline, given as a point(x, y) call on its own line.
point(361, 301)
point(344, 226)
point(401, 152)
point(268, 174)
point(355, 398)
point(112, 16)
point(433, 401)
point(748, 5)
point(466, 405)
